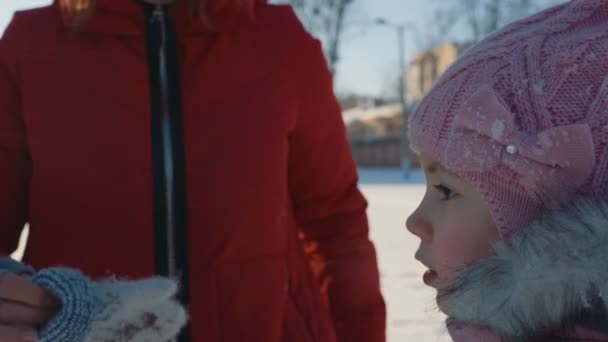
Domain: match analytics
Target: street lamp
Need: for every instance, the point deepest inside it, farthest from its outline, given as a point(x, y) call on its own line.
point(400, 29)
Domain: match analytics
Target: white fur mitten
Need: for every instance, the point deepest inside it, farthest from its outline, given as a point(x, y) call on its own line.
point(111, 310)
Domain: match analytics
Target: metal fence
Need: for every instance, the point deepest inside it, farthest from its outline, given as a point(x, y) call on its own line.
point(381, 151)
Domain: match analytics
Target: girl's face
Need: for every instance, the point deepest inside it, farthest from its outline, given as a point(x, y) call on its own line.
point(454, 225)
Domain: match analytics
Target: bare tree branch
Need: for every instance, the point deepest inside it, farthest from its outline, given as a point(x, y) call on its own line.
point(444, 20)
point(482, 17)
point(326, 19)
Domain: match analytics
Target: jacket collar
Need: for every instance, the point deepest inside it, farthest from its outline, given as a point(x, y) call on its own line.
point(551, 275)
point(126, 17)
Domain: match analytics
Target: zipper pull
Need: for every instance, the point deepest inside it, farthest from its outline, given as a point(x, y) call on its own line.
point(158, 15)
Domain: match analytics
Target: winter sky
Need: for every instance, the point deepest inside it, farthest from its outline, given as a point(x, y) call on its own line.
point(369, 56)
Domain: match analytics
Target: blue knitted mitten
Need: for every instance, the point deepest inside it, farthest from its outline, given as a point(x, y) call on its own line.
point(111, 310)
point(9, 265)
point(79, 304)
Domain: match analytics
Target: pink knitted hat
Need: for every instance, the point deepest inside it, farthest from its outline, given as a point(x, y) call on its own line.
point(523, 115)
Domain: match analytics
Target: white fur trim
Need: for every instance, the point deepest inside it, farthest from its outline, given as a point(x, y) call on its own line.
point(545, 274)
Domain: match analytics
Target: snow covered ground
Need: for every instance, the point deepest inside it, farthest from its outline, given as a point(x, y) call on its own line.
point(412, 313)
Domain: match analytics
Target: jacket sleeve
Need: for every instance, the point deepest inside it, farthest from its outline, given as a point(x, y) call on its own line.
point(14, 158)
point(328, 206)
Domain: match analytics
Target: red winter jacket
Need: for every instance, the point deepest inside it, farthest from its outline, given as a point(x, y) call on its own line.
point(148, 143)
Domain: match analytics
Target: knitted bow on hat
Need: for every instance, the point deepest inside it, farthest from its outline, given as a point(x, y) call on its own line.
point(112, 310)
point(555, 159)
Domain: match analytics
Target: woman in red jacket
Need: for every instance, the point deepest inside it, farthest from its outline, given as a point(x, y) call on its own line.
point(194, 139)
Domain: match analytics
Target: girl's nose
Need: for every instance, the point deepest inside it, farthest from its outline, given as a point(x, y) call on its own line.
point(419, 225)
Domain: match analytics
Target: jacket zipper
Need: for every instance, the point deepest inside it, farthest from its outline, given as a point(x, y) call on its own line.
point(168, 153)
point(167, 143)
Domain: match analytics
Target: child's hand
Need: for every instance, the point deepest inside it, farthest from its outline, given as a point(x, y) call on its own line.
point(24, 306)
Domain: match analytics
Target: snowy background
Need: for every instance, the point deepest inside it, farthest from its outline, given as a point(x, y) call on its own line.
point(412, 312)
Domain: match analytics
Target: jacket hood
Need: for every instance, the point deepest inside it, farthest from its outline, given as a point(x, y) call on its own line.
point(551, 275)
point(126, 17)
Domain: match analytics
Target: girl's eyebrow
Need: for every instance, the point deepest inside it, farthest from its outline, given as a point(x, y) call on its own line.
point(431, 168)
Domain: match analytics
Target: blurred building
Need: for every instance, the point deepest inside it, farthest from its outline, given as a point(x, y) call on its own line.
point(375, 128)
point(375, 134)
point(348, 102)
point(427, 66)
point(377, 120)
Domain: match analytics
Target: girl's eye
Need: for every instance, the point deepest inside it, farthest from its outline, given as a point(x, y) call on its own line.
point(446, 192)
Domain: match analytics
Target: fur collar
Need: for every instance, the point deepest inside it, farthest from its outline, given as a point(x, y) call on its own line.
point(543, 278)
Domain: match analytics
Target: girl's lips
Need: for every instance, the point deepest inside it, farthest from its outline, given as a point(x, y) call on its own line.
point(429, 277)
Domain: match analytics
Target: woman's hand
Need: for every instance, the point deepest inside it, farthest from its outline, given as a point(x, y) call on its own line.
point(24, 307)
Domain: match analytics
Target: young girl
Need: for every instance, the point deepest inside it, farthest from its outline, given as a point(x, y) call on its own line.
point(514, 143)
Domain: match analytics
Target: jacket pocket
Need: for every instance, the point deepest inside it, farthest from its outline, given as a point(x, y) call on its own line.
point(295, 327)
